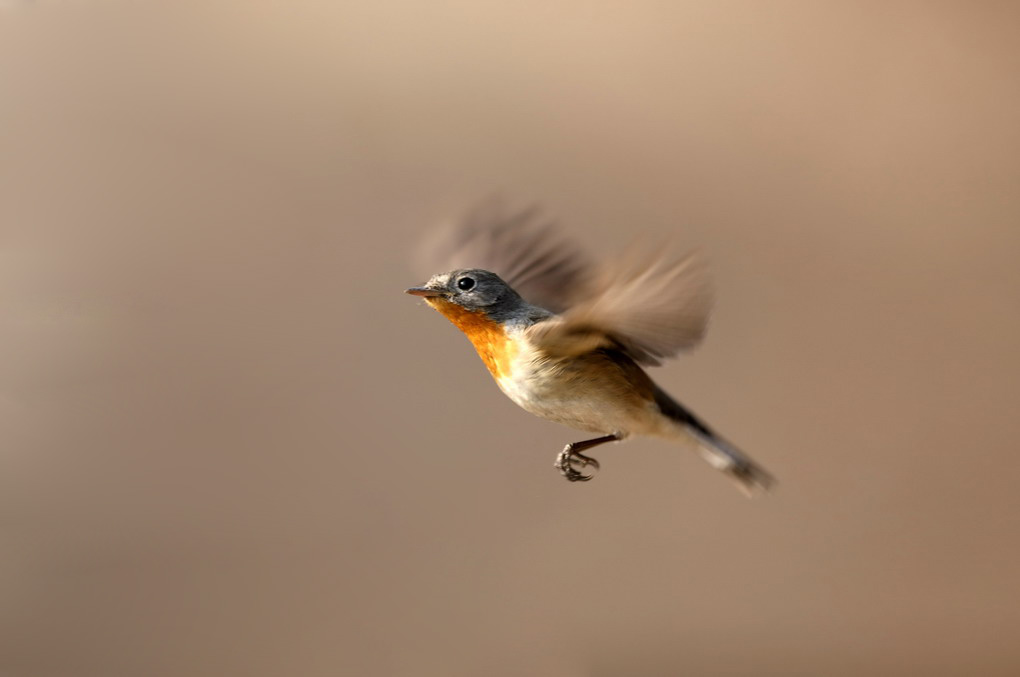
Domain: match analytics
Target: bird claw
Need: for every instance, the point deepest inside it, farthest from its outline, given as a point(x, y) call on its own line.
point(570, 463)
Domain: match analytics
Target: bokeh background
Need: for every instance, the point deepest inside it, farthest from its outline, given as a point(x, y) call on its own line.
point(232, 446)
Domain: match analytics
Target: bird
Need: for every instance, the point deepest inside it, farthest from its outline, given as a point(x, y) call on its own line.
point(569, 341)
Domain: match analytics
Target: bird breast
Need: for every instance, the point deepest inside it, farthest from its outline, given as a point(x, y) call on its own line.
point(492, 341)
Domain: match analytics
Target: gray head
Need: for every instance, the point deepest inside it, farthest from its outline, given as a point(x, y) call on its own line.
point(476, 290)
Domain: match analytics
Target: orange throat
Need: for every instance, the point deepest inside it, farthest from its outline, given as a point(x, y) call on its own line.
point(489, 338)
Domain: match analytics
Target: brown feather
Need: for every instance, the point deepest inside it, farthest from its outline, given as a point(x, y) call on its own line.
point(647, 307)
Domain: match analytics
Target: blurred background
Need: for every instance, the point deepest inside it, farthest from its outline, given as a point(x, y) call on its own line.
point(231, 445)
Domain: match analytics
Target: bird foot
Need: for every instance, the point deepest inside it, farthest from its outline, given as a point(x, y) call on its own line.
point(571, 463)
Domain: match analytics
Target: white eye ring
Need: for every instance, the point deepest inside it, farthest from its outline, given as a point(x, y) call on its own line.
point(465, 283)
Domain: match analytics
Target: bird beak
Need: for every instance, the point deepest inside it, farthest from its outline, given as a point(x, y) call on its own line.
point(425, 291)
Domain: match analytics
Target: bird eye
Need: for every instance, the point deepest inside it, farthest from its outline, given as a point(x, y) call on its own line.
point(465, 283)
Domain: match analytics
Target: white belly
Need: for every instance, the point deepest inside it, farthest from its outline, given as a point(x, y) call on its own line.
point(568, 393)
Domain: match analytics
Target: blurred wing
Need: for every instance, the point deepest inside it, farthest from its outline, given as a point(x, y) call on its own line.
point(528, 252)
point(647, 307)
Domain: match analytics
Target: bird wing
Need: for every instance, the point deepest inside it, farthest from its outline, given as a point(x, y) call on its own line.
point(528, 252)
point(643, 305)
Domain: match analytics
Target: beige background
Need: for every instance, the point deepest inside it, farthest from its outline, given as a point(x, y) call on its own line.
point(232, 446)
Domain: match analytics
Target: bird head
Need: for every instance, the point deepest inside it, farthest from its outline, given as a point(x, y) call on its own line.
point(473, 290)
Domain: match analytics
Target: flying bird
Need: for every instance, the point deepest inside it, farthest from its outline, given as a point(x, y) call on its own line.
point(567, 340)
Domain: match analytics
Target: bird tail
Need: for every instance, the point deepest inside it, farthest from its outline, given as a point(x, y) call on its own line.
point(750, 477)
